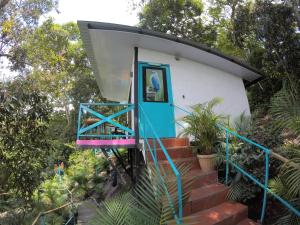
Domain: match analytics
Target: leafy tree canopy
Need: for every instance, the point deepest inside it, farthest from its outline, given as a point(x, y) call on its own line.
point(179, 18)
point(24, 116)
point(18, 18)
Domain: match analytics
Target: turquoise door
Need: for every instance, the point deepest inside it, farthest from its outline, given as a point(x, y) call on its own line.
point(155, 99)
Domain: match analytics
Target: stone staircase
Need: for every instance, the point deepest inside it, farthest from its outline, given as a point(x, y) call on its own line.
point(207, 203)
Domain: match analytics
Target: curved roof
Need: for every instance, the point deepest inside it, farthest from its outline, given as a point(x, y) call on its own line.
point(110, 48)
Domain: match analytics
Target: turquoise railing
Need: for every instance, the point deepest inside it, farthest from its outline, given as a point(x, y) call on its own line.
point(92, 123)
point(152, 147)
point(263, 185)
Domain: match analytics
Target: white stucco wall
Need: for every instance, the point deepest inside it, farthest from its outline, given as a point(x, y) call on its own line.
point(200, 83)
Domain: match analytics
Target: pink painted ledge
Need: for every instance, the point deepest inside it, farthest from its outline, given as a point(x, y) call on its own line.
point(106, 142)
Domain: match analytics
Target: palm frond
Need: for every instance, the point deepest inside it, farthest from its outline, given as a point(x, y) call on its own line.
point(235, 192)
point(285, 108)
point(291, 175)
point(277, 186)
point(288, 218)
point(147, 203)
point(114, 211)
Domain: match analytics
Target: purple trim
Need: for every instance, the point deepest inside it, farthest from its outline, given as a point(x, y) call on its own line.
point(106, 142)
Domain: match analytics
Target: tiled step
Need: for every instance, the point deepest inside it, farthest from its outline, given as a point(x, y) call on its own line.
point(198, 179)
point(227, 213)
point(247, 222)
point(192, 161)
point(202, 178)
point(174, 153)
point(172, 142)
point(205, 197)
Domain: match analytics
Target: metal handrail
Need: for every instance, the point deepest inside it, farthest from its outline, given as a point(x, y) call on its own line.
point(173, 167)
point(84, 131)
point(264, 186)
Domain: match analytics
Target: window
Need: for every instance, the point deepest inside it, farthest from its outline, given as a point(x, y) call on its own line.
point(154, 84)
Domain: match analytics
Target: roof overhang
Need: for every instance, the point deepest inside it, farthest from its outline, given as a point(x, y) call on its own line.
point(110, 48)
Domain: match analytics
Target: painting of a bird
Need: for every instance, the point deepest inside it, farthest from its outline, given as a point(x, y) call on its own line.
point(155, 81)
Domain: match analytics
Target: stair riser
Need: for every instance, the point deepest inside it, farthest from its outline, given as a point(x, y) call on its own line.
point(203, 180)
point(205, 203)
point(178, 153)
point(166, 166)
point(172, 142)
point(235, 219)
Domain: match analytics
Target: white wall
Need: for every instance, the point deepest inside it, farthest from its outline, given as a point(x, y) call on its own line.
point(200, 83)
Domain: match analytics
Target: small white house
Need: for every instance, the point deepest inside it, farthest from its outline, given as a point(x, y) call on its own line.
point(157, 71)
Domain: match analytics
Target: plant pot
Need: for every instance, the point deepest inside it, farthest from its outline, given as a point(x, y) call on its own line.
point(207, 162)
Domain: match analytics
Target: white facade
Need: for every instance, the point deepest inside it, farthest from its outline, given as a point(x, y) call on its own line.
point(193, 83)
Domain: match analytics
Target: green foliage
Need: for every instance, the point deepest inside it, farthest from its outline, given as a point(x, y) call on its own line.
point(179, 18)
point(267, 31)
point(24, 117)
point(202, 126)
point(80, 178)
point(59, 65)
point(147, 203)
point(17, 20)
point(288, 218)
point(285, 107)
point(286, 112)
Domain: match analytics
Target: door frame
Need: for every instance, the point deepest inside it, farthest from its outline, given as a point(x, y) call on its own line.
point(169, 90)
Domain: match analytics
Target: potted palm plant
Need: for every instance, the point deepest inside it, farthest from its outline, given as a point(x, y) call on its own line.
point(202, 128)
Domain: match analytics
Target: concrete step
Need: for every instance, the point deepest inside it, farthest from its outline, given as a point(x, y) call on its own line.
point(205, 197)
point(247, 222)
point(227, 213)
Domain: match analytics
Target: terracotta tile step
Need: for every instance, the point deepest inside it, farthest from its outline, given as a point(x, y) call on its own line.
point(192, 161)
point(227, 213)
point(247, 222)
point(199, 178)
point(174, 153)
point(205, 197)
point(172, 142)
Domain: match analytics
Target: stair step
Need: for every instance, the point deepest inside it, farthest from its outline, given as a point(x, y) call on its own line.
point(198, 179)
point(247, 222)
point(192, 161)
point(227, 213)
point(172, 142)
point(202, 178)
point(205, 197)
point(173, 152)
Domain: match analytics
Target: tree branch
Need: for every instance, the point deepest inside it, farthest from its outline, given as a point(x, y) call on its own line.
point(3, 3)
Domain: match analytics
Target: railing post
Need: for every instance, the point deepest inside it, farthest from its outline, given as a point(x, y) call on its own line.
point(136, 96)
point(154, 150)
point(227, 157)
point(43, 219)
point(263, 211)
point(78, 122)
point(179, 198)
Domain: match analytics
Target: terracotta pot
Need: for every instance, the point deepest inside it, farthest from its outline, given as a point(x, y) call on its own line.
point(207, 162)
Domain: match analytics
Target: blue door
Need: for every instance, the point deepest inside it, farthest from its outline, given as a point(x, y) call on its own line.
point(155, 99)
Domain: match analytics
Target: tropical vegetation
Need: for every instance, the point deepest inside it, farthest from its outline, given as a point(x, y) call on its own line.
point(50, 75)
point(202, 126)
